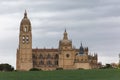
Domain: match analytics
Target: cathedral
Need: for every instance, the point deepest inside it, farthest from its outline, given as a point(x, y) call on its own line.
point(64, 57)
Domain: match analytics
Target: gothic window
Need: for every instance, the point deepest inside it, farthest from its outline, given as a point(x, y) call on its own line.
point(56, 56)
point(56, 62)
point(49, 63)
point(48, 56)
point(41, 63)
point(33, 56)
point(34, 63)
point(41, 56)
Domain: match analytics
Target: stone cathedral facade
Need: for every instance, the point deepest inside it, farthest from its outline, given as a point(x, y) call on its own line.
point(65, 56)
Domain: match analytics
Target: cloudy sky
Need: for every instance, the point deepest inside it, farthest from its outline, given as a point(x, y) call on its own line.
point(95, 23)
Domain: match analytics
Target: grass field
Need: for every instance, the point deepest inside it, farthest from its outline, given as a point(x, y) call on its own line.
point(108, 74)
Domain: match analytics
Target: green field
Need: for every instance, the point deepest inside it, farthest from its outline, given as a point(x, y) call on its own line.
point(108, 74)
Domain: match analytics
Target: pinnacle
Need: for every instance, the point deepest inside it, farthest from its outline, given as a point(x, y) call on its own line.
point(25, 14)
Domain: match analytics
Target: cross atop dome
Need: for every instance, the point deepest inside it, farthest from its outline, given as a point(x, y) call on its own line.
point(65, 35)
point(25, 14)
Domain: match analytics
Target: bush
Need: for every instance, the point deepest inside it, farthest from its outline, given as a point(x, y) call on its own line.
point(80, 69)
point(35, 69)
point(16, 70)
point(6, 67)
point(107, 66)
point(118, 65)
point(59, 68)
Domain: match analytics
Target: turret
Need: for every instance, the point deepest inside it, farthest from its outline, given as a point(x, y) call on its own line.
point(81, 50)
point(65, 43)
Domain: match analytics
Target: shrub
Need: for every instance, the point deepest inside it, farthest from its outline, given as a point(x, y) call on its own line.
point(6, 67)
point(59, 68)
point(35, 69)
point(119, 66)
point(80, 69)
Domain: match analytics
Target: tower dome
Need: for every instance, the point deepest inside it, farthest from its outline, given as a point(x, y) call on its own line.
point(25, 20)
point(65, 39)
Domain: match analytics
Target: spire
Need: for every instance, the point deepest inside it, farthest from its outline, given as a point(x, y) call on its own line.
point(65, 35)
point(65, 29)
point(81, 44)
point(81, 47)
point(25, 21)
point(25, 14)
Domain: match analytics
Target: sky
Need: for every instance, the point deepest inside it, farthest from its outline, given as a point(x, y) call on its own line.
point(95, 23)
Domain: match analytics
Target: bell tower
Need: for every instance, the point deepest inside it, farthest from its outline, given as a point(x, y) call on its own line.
point(24, 51)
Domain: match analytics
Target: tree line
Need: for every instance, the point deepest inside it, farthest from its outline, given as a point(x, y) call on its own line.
point(6, 67)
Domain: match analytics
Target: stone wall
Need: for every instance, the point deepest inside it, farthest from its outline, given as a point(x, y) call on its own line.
point(82, 66)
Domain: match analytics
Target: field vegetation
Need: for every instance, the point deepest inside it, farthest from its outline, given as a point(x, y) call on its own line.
point(98, 74)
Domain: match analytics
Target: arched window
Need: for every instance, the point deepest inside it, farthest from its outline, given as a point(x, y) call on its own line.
point(56, 56)
point(41, 56)
point(33, 56)
point(48, 56)
point(56, 62)
point(49, 63)
point(41, 62)
point(34, 63)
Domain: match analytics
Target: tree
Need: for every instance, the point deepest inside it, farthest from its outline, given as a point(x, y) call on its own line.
point(6, 67)
point(108, 66)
